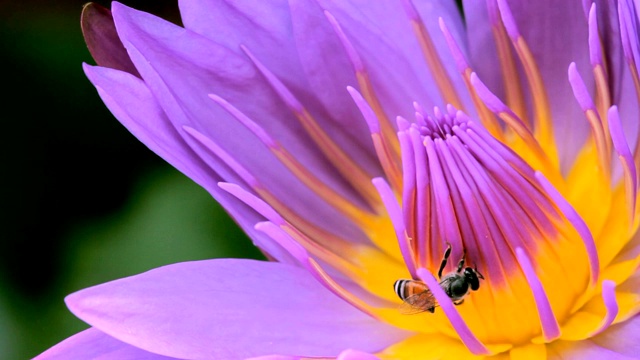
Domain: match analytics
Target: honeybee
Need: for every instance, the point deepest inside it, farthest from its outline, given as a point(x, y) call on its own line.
point(417, 297)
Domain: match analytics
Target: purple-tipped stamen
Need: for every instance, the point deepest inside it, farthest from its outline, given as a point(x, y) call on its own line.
point(577, 222)
point(366, 110)
point(595, 50)
point(352, 54)
point(458, 57)
point(628, 32)
point(626, 158)
point(409, 189)
point(585, 101)
point(468, 338)
point(508, 20)
point(395, 213)
point(550, 327)
point(216, 150)
point(285, 241)
point(383, 148)
point(257, 204)
point(346, 166)
point(610, 303)
point(422, 211)
point(403, 124)
point(580, 91)
point(510, 118)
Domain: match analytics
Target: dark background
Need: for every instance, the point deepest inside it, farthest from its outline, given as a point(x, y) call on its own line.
point(82, 201)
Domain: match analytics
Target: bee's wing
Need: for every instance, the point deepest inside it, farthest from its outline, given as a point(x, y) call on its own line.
point(418, 303)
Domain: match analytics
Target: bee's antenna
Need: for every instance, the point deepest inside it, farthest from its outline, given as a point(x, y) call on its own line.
point(475, 268)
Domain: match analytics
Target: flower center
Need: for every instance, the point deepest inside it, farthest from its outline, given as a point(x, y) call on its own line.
point(463, 187)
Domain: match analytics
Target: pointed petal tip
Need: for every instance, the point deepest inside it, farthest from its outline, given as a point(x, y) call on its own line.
point(365, 109)
point(458, 57)
point(508, 20)
point(488, 98)
point(595, 51)
point(102, 39)
point(216, 98)
point(403, 124)
point(580, 91)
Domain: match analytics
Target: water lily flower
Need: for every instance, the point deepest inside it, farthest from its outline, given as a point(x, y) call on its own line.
point(357, 143)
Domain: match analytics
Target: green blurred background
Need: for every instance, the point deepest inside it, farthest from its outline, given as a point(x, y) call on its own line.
point(68, 222)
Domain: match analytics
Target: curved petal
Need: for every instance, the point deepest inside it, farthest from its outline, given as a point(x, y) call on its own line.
point(262, 26)
point(623, 338)
point(565, 350)
point(96, 345)
point(620, 341)
point(382, 33)
point(623, 89)
point(99, 33)
point(229, 309)
point(134, 106)
point(181, 68)
point(540, 23)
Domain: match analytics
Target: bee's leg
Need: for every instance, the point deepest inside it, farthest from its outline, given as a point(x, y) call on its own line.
point(444, 260)
point(431, 309)
point(461, 263)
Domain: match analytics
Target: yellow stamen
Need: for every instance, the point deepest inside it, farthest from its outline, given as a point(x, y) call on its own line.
point(389, 139)
point(602, 140)
point(434, 63)
point(511, 79)
point(349, 169)
point(486, 116)
point(348, 208)
point(636, 83)
point(390, 167)
point(543, 128)
point(602, 99)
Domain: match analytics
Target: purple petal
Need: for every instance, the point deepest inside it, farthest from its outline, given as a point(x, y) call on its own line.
point(229, 309)
point(374, 31)
point(356, 355)
point(586, 349)
point(134, 106)
point(540, 23)
point(262, 27)
point(94, 344)
point(102, 40)
point(620, 341)
point(131, 102)
point(623, 338)
point(181, 68)
point(623, 89)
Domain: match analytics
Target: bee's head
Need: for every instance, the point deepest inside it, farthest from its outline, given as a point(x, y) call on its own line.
point(473, 277)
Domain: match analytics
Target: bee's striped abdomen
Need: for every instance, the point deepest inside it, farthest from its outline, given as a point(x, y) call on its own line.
point(399, 287)
point(405, 288)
